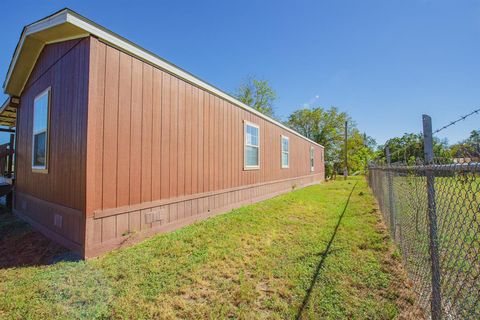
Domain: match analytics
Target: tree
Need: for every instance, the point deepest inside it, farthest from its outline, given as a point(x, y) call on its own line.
point(409, 148)
point(257, 94)
point(306, 122)
point(361, 150)
point(326, 127)
point(468, 148)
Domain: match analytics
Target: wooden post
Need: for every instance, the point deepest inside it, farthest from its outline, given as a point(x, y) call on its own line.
point(10, 156)
point(9, 196)
point(436, 303)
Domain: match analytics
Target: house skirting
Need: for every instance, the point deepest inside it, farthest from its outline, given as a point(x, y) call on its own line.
point(114, 228)
point(61, 224)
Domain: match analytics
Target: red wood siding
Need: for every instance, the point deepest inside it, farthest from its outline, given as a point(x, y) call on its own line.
point(135, 148)
point(63, 67)
point(159, 137)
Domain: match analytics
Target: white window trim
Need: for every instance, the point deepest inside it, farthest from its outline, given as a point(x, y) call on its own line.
point(245, 166)
point(282, 152)
point(312, 156)
point(42, 169)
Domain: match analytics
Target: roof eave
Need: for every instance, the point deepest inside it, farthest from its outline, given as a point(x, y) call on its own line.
point(47, 22)
point(67, 24)
point(34, 37)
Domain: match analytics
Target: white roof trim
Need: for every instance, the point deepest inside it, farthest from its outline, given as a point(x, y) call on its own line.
point(56, 19)
point(68, 16)
point(5, 104)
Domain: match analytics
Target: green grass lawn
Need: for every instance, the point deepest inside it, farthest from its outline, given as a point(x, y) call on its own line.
point(254, 262)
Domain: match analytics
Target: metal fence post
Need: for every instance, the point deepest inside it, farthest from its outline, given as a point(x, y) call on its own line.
point(391, 204)
point(436, 305)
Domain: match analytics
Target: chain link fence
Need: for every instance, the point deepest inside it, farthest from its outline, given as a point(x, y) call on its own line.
point(443, 199)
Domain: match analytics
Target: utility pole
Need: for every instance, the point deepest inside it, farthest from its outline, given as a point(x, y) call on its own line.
point(345, 170)
point(365, 144)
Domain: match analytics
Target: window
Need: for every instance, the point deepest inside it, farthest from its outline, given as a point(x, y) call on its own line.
point(252, 146)
point(41, 108)
point(285, 151)
point(312, 159)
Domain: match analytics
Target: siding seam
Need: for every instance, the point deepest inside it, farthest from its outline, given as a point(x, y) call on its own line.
point(130, 137)
point(168, 201)
point(52, 65)
point(118, 127)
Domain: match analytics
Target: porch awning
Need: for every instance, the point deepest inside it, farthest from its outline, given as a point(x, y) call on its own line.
point(8, 112)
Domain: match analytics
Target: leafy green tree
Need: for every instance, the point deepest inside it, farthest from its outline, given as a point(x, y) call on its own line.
point(409, 148)
point(306, 122)
point(361, 150)
point(257, 94)
point(469, 147)
point(327, 127)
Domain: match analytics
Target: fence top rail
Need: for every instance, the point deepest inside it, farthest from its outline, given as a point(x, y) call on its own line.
point(462, 167)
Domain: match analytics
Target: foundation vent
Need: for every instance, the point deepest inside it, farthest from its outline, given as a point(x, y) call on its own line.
point(57, 220)
point(155, 215)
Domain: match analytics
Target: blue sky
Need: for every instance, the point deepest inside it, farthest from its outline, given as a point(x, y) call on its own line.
point(384, 62)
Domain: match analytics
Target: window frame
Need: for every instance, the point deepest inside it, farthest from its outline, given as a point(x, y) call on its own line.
point(283, 151)
point(42, 169)
point(312, 159)
point(245, 145)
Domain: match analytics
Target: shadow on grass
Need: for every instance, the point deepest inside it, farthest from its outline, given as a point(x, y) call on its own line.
point(21, 246)
point(323, 257)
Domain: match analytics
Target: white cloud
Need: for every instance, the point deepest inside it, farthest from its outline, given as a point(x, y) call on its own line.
point(311, 103)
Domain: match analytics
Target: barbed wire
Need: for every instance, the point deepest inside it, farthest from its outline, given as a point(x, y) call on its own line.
point(456, 121)
point(405, 147)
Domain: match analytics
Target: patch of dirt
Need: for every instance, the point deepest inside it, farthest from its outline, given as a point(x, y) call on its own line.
point(400, 287)
point(20, 245)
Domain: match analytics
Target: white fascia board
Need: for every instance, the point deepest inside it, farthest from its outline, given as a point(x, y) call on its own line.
point(5, 104)
point(137, 51)
point(67, 16)
point(56, 19)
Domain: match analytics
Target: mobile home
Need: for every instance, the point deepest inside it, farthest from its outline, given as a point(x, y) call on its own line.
point(114, 143)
